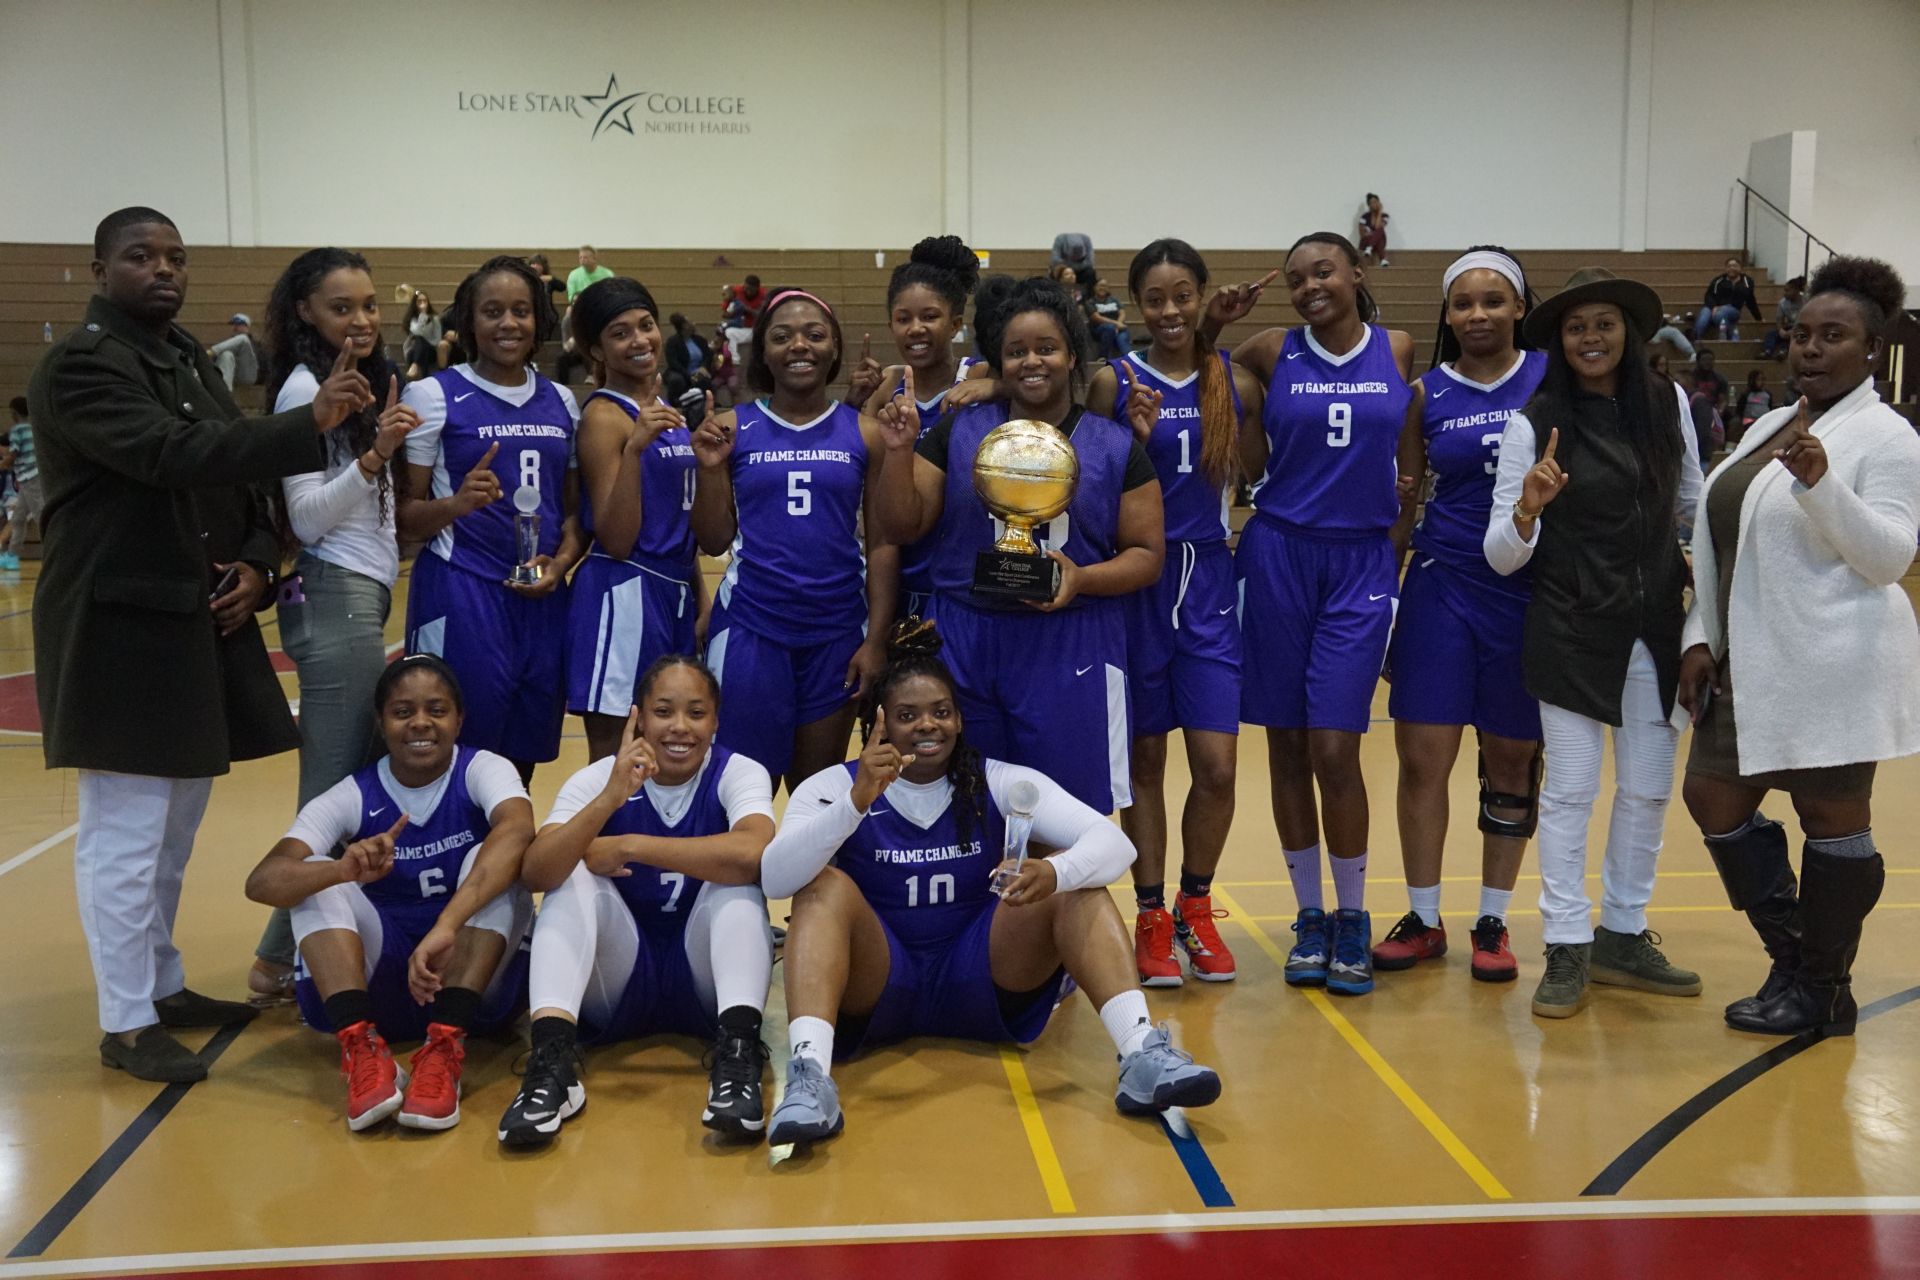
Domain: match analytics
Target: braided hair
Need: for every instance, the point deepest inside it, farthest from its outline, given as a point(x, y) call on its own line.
point(913, 649)
point(459, 315)
point(1362, 300)
point(1446, 345)
point(294, 343)
point(1219, 425)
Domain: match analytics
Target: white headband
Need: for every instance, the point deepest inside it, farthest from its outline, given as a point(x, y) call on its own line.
point(1485, 259)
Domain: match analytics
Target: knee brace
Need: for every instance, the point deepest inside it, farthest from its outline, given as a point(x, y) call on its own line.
point(1513, 828)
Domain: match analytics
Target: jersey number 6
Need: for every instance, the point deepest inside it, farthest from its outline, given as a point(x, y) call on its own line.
point(1340, 418)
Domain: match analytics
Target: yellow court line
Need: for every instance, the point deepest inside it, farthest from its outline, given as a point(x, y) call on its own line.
point(1884, 906)
point(1532, 876)
point(1059, 1199)
point(1469, 1163)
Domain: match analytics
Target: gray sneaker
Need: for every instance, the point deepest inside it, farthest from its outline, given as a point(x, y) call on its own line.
point(809, 1110)
point(1563, 987)
point(1634, 960)
point(1158, 1076)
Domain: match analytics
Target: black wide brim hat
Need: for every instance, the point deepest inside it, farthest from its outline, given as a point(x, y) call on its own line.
point(1638, 302)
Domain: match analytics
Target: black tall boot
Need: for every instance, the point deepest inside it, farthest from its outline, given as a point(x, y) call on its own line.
point(1839, 894)
point(1759, 881)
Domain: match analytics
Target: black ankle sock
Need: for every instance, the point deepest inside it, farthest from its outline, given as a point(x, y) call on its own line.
point(742, 1020)
point(1150, 897)
point(1193, 886)
point(455, 1007)
point(348, 1007)
point(551, 1030)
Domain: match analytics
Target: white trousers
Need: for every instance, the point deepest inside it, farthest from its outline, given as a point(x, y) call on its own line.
point(586, 942)
point(129, 859)
point(1643, 752)
point(347, 906)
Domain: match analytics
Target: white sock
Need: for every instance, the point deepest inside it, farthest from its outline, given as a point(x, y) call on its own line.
point(1303, 868)
point(1493, 902)
point(813, 1038)
point(1425, 901)
point(1126, 1020)
point(1350, 881)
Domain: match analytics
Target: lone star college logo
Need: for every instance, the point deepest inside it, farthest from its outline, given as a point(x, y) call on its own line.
point(624, 105)
point(661, 111)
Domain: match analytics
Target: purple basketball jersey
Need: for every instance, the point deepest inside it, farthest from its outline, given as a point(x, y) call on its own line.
point(667, 468)
point(660, 899)
point(924, 884)
point(1462, 422)
point(428, 854)
point(1196, 510)
point(916, 558)
point(536, 448)
point(1333, 428)
point(1087, 532)
point(799, 571)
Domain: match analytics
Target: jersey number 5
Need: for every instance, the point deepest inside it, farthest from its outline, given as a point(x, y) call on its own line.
point(799, 497)
point(1340, 418)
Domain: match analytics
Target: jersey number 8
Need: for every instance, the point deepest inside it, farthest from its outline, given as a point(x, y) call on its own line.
point(530, 469)
point(1340, 418)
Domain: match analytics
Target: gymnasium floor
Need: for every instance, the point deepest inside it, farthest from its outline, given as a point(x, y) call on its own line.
point(1432, 1128)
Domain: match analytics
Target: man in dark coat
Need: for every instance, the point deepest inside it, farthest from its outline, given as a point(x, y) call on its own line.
point(151, 673)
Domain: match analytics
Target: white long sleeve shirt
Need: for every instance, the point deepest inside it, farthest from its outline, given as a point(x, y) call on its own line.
point(336, 512)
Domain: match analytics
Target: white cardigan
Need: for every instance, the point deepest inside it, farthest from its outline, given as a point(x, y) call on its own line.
point(1825, 647)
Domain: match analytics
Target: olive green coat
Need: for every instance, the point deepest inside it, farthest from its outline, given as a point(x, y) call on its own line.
point(151, 475)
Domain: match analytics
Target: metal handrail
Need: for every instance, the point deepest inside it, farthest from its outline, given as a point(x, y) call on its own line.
point(1810, 239)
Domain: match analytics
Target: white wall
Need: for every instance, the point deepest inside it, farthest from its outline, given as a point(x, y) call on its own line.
point(873, 122)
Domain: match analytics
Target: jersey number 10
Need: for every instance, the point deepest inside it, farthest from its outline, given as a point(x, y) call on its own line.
point(939, 890)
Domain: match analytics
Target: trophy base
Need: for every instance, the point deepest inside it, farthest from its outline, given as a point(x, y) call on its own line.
point(524, 575)
point(1015, 575)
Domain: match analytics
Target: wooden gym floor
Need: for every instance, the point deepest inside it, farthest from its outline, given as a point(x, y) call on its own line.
point(1434, 1126)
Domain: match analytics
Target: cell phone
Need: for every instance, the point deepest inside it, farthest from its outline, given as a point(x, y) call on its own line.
point(226, 583)
point(1703, 703)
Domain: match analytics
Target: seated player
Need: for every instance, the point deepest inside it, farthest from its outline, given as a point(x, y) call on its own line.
point(652, 922)
point(893, 861)
point(414, 932)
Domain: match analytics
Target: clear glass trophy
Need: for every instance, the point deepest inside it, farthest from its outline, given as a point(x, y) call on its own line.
point(1021, 799)
point(526, 536)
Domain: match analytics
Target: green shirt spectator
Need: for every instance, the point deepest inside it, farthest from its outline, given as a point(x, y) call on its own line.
point(589, 272)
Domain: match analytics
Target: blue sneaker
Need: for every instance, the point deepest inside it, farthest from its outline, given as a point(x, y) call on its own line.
point(1307, 962)
point(1351, 973)
point(809, 1110)
point(1158, 1076)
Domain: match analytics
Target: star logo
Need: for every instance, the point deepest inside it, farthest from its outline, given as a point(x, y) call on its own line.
point(617, 113)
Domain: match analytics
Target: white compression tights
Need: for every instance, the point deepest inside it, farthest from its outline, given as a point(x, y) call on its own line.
point(586, 941)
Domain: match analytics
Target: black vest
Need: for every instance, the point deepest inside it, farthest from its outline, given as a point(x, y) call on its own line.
point(1607, 570)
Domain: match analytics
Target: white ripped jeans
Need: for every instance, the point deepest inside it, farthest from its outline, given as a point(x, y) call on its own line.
point(1643, 752)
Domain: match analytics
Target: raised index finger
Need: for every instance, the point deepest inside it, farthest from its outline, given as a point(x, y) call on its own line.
point(866, 346)
point(1267, 279)
point(880, 723)
point(393, 832)
point(486, 459)
point(1553, 442)
point(906, 384)
point(1126, 367)
point(344, 361)
point(393, 391)
point(628, 734)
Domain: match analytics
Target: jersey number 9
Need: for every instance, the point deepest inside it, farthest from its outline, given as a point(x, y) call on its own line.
point(1340, 418)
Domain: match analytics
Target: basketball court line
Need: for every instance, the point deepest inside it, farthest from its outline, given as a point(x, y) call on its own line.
point(1882, 906)
point(25, 856)
point(90, 1183)
point(1052, 1177)
point(1429, 1119)
point(1616, 1175)
point(1181, 1223)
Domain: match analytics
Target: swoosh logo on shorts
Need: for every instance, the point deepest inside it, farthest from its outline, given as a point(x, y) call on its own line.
point(1382, 596)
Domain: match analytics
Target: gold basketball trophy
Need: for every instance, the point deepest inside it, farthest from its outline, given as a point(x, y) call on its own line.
point(1025, 472)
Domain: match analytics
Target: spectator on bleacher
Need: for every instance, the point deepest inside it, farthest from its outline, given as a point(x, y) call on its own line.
point(1658, 363)
point(239, 358)
point(424, 331)
point(1670, 332)
point(1786, 314)
point(741, 304)
point(555, 286)
point(1706, 377)
point(1372, 225)
point(1073, 249)
point(1709, 428)
point(1754, 403)
point(589, 272)
point(1065, 276)
point(1108, 321)
point(23, 500)
point(154, 485)
point(1728, 294)
point(334, 606)
point(689, 359)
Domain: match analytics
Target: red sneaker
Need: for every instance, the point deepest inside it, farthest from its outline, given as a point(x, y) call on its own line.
point(1492, 959)
point(1153, 949)
point(374, 1083)
point(1207, 955)
point(1409, 942)
point(433, 1098)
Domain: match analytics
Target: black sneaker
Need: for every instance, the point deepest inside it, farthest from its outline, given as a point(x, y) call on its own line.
point(550, 1093)
point(735, 1065)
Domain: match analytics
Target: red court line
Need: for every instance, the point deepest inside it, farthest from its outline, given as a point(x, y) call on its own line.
point(1830, 1247)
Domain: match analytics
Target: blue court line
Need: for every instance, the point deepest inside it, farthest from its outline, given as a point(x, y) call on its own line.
point(1206, 1179)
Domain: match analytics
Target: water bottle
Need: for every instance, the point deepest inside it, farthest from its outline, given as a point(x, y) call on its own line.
point(66, 275)
point(46, 332)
